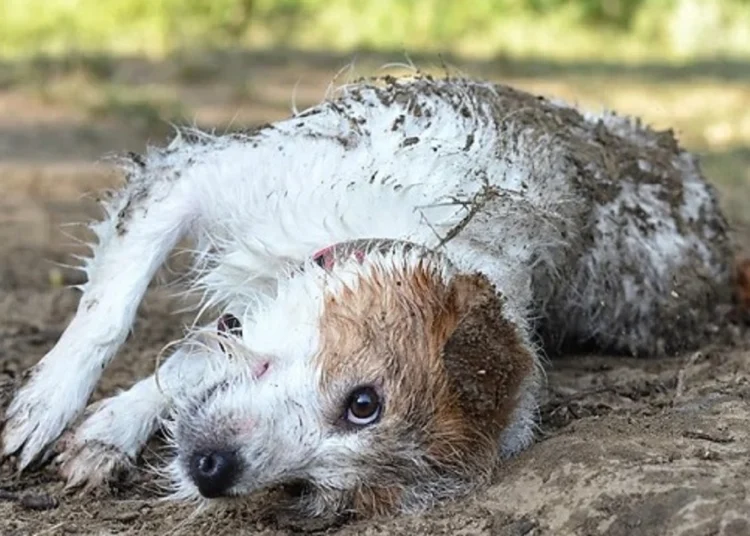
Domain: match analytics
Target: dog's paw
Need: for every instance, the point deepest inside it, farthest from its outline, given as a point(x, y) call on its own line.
point(91, 464)
point(37, 415)
point(103, 448)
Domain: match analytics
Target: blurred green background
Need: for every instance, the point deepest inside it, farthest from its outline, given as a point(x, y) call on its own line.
point(623, 29)
point(81, 78)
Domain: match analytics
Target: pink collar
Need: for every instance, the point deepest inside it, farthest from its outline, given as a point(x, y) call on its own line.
point(325, 257)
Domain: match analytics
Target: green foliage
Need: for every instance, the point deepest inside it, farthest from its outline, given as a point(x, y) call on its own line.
point(573, 28)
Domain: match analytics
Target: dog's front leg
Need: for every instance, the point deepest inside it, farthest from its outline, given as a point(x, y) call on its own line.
point(108, 442)
point(144, 223)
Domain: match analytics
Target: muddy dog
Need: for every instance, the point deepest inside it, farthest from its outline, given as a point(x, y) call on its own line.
point(380, 277)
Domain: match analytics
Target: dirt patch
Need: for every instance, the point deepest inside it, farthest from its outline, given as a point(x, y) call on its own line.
point(627, 447)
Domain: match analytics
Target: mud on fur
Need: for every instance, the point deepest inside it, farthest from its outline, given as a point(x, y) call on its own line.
point(380, 276)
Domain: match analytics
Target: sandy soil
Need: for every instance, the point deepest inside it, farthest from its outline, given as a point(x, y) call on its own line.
point(628, 447)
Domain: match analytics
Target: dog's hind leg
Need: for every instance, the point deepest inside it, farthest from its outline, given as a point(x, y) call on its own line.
point(658, 266)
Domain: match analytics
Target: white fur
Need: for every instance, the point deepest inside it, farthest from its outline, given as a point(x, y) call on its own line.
point(257, 206)
point(113, 434)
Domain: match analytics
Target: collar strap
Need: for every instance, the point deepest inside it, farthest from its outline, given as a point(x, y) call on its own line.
point(325, 258)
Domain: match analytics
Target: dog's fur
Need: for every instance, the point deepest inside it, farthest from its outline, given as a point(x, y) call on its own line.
point(473, 224)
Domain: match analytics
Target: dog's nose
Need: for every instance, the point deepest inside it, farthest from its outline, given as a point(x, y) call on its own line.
point(214, 472)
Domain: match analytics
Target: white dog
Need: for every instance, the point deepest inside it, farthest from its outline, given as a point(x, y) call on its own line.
point(382, 272)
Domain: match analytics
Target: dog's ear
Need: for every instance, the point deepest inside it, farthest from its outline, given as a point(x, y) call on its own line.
point(485, 357)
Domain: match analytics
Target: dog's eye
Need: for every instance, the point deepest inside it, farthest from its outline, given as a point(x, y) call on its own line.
point(363, 406)
point(230, 325)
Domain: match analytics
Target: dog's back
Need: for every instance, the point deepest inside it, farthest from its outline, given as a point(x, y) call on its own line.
point(597, 229)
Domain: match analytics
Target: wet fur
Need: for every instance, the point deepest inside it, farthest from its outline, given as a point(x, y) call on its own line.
point(590, 229)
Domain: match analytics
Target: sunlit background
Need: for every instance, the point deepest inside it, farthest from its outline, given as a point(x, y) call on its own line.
point(82, 78)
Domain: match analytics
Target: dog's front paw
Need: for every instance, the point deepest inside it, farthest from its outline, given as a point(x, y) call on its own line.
point(39, 413)
point(104, 447)
point(90, 464)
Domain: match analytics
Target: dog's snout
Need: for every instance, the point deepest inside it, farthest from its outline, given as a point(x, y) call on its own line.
point(214, 472)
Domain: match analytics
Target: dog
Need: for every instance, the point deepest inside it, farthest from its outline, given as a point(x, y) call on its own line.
point(380, 277)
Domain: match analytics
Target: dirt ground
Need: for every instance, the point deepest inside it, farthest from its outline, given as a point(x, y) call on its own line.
point(628, 447)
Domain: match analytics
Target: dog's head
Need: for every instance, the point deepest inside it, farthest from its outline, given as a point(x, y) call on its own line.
point(377, 376)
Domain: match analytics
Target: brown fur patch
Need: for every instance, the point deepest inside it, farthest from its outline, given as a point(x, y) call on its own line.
point(742, 277)
point(446, 362)
point(376, 501)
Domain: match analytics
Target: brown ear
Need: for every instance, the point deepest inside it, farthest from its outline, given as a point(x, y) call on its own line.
point(485, 357)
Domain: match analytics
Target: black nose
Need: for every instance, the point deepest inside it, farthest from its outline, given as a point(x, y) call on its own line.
point(214, 472)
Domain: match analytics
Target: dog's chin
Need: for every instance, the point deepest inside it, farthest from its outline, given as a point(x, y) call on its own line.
point(295, 489)
point(290, 509)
